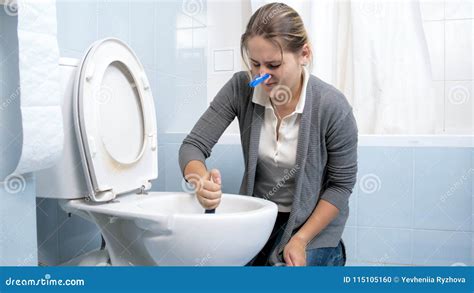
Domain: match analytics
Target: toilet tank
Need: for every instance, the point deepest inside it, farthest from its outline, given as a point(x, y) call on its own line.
point(65, 179)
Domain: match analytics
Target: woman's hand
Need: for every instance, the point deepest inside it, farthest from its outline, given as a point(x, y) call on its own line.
point(208, 189)
point(294, 252)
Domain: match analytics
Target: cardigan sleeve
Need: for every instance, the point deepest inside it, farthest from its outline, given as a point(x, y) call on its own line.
point(341, 168)
point(206, 132)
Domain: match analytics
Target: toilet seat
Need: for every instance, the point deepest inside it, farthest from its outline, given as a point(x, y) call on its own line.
point(115, 121)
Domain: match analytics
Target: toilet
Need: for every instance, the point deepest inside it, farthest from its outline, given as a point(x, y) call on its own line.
point(109, 160)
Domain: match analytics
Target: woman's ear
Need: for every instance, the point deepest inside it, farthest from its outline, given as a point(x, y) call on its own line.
point(305, 54)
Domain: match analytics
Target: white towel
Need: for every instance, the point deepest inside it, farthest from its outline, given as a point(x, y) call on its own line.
point(39, 84)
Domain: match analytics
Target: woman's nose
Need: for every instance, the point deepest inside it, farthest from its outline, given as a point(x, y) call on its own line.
point(267, 81)
point(264, 71)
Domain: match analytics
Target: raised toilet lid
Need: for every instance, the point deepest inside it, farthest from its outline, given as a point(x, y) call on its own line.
point(115, 121)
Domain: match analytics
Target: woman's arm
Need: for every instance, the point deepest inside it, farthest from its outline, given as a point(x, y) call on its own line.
point(195, 167)
point(198, 144)
point(295, 250)
point(322, 215)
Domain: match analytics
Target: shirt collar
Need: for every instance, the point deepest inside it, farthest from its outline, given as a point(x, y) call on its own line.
point(261, 97)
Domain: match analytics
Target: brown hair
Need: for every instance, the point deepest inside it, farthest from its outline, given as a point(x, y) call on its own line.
point(278, 23)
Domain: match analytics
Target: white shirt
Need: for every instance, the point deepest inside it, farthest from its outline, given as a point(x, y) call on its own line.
point(277, 157)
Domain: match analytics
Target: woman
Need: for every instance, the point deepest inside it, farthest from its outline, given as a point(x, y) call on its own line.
point(299, 140)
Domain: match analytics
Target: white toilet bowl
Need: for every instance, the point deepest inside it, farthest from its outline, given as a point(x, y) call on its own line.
point(171, 229)
point(110, 158)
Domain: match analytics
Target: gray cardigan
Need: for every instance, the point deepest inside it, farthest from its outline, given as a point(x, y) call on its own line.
point(326, 160)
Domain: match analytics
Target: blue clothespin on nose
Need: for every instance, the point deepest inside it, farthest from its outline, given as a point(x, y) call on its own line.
point(259, 80)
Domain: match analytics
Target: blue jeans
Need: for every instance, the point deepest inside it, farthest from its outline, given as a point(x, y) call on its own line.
point(324, 256)
point(327, 256)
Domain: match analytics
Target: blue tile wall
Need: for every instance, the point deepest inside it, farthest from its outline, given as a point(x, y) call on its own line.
point(114, 19)
point(385, 187)
point(442, 186)
point(442, 248)
point(18, 222)
point(414, 207)
point(77, 26)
